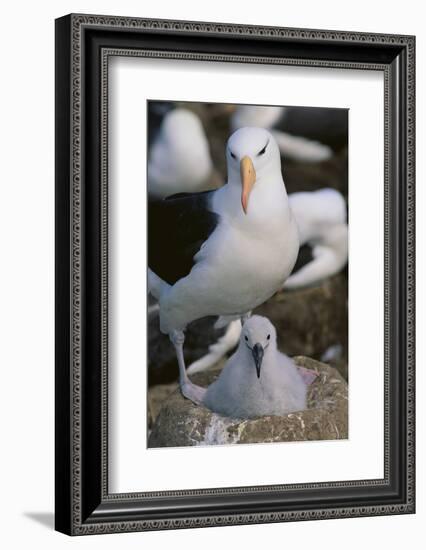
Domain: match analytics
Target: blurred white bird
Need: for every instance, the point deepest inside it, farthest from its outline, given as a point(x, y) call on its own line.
point(291, 146)
point(222, 252)
point(262, 116)
point(179, 159)
point(258, 379)
point(321, 220)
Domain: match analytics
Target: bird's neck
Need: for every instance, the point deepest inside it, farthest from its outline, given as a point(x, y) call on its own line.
point(268, 202)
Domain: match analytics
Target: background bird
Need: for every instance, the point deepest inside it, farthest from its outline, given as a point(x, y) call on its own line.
point(274, 119)
point(258, 379)
point(179, 158)
point(222, 252)
point(322, 223)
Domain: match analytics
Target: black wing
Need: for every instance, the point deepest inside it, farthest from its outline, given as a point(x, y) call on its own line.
point(177, 227)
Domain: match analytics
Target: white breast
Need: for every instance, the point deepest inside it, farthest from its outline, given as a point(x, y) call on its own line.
point(241, 265)
point(238, 392)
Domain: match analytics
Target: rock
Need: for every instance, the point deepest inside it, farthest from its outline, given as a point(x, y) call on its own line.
point(181, 423)
point(157, 396)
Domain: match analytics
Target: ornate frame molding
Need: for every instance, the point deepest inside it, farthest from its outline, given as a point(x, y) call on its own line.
point(72, 44)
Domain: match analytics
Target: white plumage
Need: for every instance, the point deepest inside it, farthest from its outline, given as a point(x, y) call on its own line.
point(321, 220)
point(258, 379)
point(262, 116)
point(179, 159)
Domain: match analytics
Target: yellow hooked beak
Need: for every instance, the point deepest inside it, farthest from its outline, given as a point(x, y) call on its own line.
point(248, 178)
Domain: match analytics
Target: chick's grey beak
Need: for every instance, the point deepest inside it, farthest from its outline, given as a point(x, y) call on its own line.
point(257, 352)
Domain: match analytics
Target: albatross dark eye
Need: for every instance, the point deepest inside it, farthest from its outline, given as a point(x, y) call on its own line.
point(262, 152)
point(246, 338)
point(232, 155)
point(268, 337)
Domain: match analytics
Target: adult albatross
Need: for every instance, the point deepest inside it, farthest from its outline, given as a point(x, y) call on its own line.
point(222, 252)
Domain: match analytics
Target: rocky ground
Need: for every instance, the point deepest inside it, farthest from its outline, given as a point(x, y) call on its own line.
point(178, 422)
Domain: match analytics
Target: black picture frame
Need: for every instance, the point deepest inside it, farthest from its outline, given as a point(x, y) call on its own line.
point(83, 44)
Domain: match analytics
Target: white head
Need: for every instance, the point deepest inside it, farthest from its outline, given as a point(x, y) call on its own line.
point(252, 155)
point(258, 338)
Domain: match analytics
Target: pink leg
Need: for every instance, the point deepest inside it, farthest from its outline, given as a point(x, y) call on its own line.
point(189, 389)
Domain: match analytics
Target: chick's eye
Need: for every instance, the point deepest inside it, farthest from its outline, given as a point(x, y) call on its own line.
point(268, 337)
point(246, 338)
point(232, 155)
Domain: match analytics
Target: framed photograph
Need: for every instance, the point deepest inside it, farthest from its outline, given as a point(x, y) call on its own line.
point(234, 274)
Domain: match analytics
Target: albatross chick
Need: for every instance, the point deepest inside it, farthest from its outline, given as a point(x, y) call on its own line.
point(258, 380)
